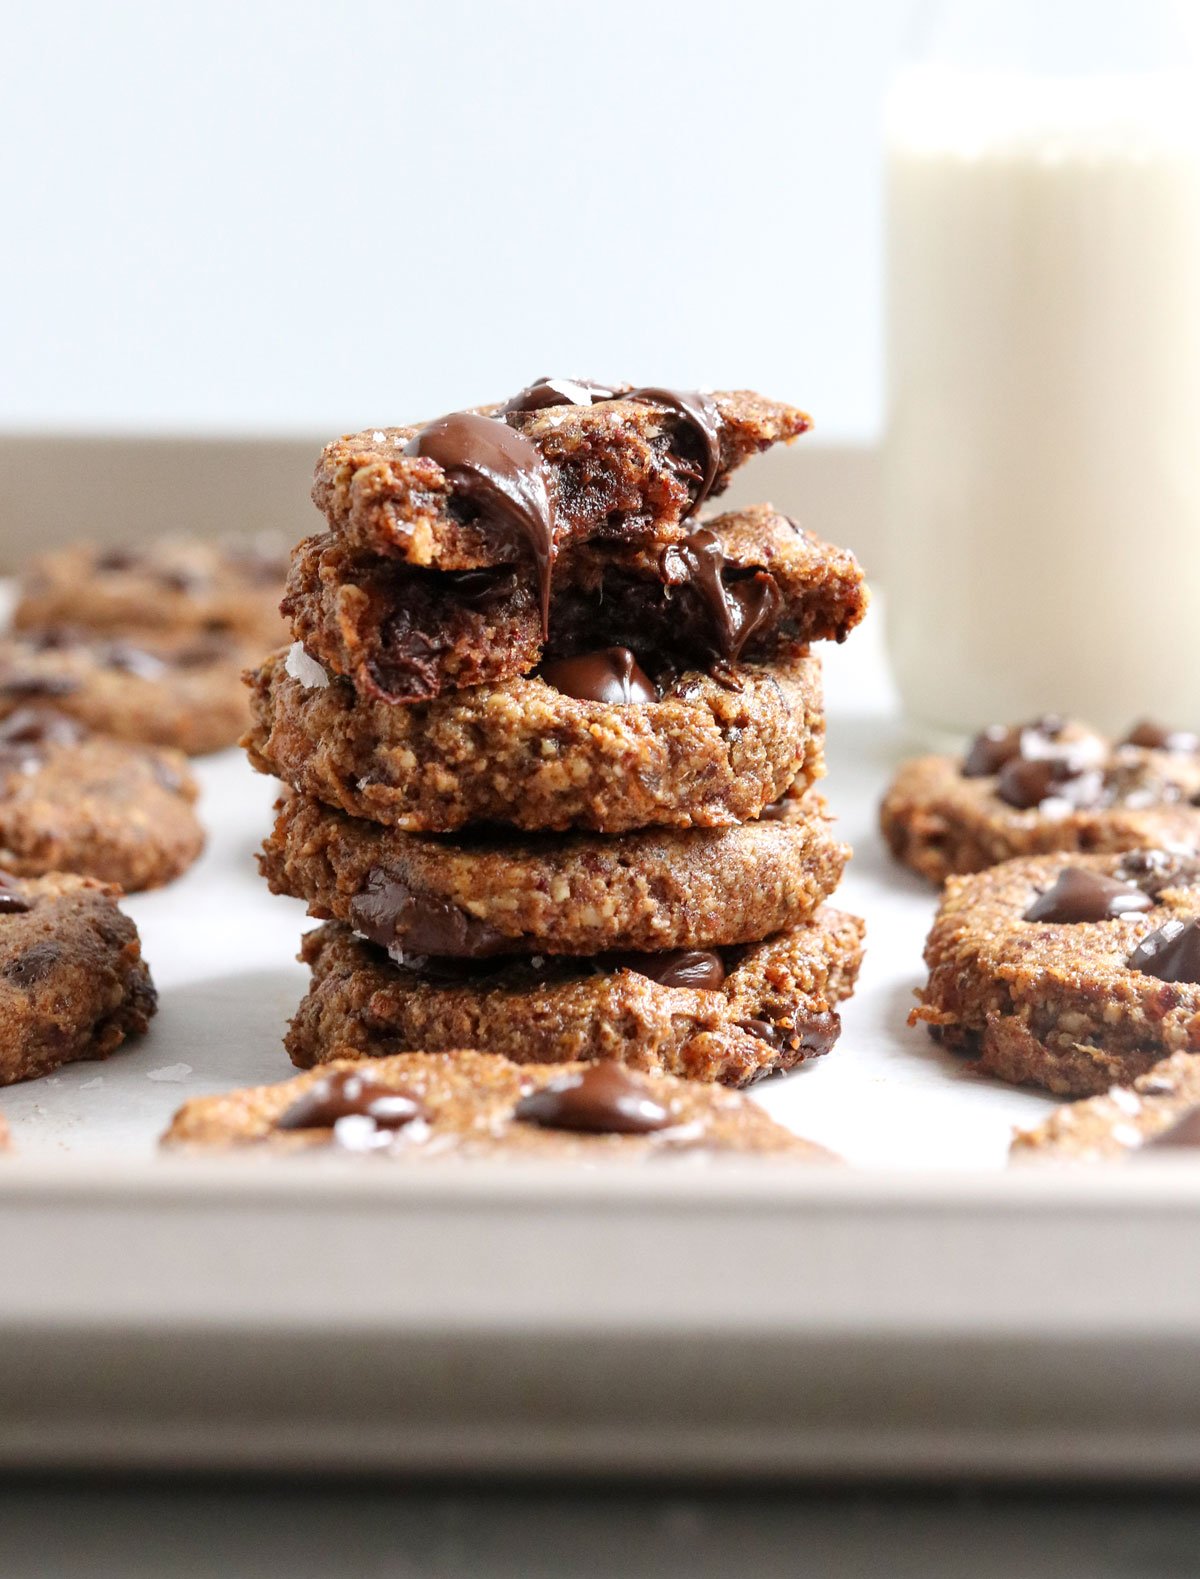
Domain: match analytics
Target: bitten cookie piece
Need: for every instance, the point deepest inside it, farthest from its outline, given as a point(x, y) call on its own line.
point(482, 895)
point(1071, 973)
point(1047, 785)
point(700, 752)
point(175, 587)
point(164, 691)
point(1158, 1116)
point(518, 484)
point(751, 585)
point(426, 1106)
point(71, 801)
point(731, 1015)
point(73, 983)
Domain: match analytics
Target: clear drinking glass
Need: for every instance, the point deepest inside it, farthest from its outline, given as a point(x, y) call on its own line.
point(1042, 464)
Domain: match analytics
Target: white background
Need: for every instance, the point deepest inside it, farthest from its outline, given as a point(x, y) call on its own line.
point(269, 217)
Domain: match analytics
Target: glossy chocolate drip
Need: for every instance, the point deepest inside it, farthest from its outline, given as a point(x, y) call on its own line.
point(738, 608)
point(812, 1035)
point(697, 968)
point(700, 413)
point(1157, 737)
point(612, 675)
point(348, 1094)
point(1172, 953)
point(498, 470)
point(1183, 1134)
point(1080, 895)
point(604, 1099)
point(546, 392)
point(388, 913)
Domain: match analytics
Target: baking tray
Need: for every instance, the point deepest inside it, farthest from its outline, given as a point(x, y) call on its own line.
point(922, 1312)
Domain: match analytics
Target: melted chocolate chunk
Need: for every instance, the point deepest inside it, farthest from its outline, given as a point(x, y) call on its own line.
point(699, 412)
point(605, 1099)
point(738, 605)
point(1184, 1133)
point(613, 675)
point(1172, 953)
point(1079, 895)
point(998, 744)
point(1154, 871)
point(1157, 737)
point(1026, 782)
point(699, 968)
point(499, 471)
point(348, 1094)
point(34, 965)
point(544, 392)
point(813, 1036)
point(388, 913)
point(11, 903)
point(27, 734)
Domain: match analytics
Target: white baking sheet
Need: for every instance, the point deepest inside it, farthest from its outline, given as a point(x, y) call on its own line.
point(222, 951)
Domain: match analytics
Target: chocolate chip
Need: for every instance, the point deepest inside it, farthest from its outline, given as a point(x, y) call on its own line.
point(34, 965)
point(1154, 871)
point(388, 913)
point(998, 744)
point(495, 468)
point(545, 392)
point(31, 685)
point(1079, 895)
point(612, 675)
point(1026, 782)
point(697, 968)
point(605, 1098)
point(40, 726)
point(348, 1094)
point(1172, 953)
point(1158, 737)
point(702, 419)
point(12, 904)
point(813, 1035)
point(739, 604)
point(1184, 1133)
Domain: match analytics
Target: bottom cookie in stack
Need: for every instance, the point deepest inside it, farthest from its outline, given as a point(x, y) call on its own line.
point(466, 1104)
point(732, 1014)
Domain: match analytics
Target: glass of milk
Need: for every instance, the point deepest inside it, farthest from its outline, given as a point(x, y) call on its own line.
point(1042, 462)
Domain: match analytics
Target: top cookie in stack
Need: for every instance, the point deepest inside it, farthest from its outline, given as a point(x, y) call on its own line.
point(515, 617)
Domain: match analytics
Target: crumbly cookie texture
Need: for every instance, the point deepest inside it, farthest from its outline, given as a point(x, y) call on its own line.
point(938, 818)
point(184, 692)
point(710, 753)
point(173, 586)
point(773, 1004)
point(621, 471)
point(468, 1104)
point(481, 895)
point(1057, 1003)
point(756, 587)
point(71, 801)
point(73, 983)
point(1121, 1122)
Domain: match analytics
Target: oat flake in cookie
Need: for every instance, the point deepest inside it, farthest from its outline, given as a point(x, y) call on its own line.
point(73, 983)
point(1050, 784)
point(73, 801)
point(732, 1015)
point(418, 1107)
point(1054, 970)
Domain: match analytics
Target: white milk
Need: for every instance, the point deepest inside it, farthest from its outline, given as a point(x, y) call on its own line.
point(1043, 455)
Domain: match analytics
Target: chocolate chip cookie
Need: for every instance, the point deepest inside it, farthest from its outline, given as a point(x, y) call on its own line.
point(177, 587)
point(1047, 785)
point(485, 894)
point(750, 584)
point(732, 1014)
point(1157, 1116)
point(696, 749)
point(73, 983)
point(72, 801)
point(1069, 972)
point(427, 1106)
point(165, 691)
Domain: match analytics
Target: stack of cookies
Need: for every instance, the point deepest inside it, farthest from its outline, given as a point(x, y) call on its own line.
point(549, 742)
